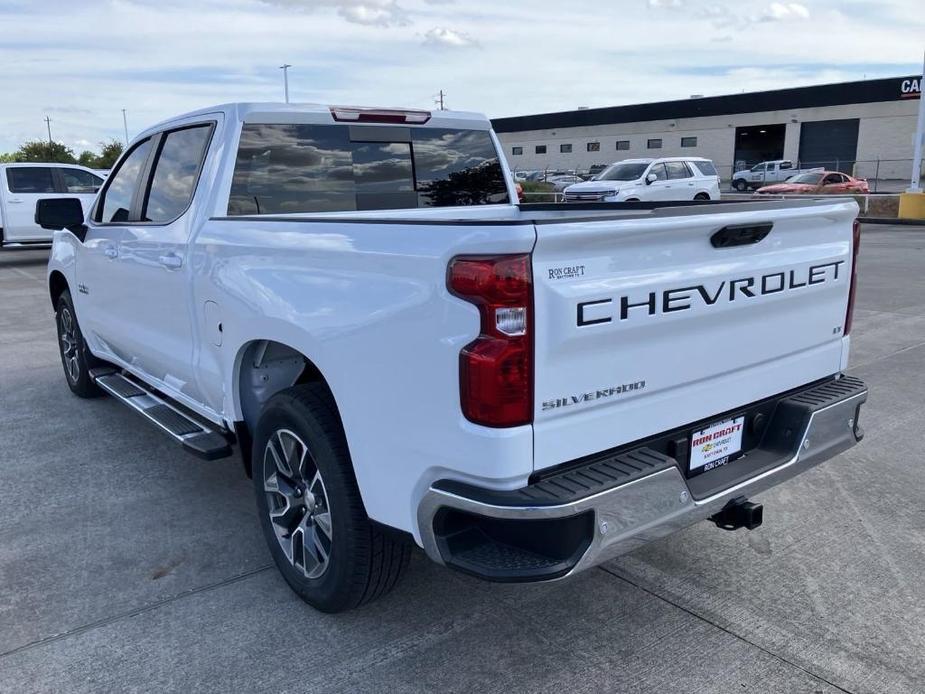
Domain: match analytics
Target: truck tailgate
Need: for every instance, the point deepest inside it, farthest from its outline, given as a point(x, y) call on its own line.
point(652, 322)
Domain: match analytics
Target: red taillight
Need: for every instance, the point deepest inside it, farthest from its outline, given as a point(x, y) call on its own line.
point(855, 247)
point(496, 369)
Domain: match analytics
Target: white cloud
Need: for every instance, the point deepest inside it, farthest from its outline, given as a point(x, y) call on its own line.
point(443, 37)
point(369, 12)
point(779, 11)
point(671, 4)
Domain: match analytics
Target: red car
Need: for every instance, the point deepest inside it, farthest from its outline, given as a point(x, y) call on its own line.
point(817, 183)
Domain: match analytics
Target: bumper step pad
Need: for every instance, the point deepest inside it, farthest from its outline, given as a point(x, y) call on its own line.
point(199, 438)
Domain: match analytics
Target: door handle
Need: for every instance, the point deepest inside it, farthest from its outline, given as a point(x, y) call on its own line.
point(111, 252)
point(171, 261)
point(15, 201)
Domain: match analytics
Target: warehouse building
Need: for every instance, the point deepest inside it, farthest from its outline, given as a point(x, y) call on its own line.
point(866, 128)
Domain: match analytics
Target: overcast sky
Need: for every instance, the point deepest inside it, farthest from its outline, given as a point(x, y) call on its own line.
point(81, 61)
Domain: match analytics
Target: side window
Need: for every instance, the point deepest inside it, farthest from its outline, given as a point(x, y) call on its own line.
point(541, 149)
point(517, 151)
point(660, 173)
point(678, 170)
point(786, 165)
point(565, 149)
point(623, 144)
point(688, 141)
point(594, 146)
point(654, 143)
point(706, 168)
point(175, 173)
point(116, 202)
point(831, 178)
point(30, 179)
point(79, 181)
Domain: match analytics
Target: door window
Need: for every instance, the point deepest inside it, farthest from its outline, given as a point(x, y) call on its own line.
point(175, 173)
point(30, 179)
point(660, 173)
point(677, 170)
point(832, 179)
point(116, 202)
point(79, 181)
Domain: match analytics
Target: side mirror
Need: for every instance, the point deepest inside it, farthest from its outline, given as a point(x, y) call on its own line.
point(61, 213)
point(650, 179)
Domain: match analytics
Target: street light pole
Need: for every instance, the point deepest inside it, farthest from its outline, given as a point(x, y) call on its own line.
point(125, 125)
point(916, 186)
point(285, 68)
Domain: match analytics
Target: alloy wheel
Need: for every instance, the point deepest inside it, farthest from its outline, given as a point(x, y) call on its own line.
point(70, 343)
point(298, 503)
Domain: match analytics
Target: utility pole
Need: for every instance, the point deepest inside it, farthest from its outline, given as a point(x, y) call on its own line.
point(125, 125)
point(440, 100)
point(285, 68)
point(48, 123)
point(916, 186)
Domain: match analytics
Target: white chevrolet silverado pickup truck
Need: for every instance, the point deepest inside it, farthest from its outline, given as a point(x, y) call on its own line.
point(353, 298)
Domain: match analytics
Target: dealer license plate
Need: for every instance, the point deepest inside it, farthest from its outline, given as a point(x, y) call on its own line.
point(715, 445)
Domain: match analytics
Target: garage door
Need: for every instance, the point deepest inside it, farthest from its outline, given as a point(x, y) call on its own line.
point(832, 144)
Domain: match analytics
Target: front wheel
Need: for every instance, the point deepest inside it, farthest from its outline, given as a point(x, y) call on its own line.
point(75, 357)
point(310, 508)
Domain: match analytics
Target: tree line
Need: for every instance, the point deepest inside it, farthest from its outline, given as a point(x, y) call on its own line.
point(57, 152)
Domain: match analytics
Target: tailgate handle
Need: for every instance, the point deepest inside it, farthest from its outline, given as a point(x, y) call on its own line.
point(740, 234)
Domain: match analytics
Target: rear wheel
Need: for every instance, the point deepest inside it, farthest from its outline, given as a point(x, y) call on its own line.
point(702, 196)
point(740, 185)
point(310, 508)
point(75, 357)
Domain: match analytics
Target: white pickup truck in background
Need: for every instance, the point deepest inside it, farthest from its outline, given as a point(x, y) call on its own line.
point(399, 351)
point(23, 185)
point(766, 173)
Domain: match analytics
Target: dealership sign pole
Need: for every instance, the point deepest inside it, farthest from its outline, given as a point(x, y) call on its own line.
point(916, 186)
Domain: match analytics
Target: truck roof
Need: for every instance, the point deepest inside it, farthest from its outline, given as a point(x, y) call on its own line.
point(278, 112)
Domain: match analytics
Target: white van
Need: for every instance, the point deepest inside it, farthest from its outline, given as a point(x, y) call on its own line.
point(643, 180)
point(22, 185)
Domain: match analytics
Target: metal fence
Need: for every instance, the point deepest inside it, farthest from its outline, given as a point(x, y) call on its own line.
point(882, 175)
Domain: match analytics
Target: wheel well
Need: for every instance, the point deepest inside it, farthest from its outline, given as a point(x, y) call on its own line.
point(266, 368)
point(56, 286)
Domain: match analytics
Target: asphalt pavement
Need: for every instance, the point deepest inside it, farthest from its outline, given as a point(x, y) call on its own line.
point(128, 565)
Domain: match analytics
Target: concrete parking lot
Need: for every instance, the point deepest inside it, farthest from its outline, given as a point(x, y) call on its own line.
point(128, 565)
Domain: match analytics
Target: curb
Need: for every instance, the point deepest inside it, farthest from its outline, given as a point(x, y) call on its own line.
point(892, 220)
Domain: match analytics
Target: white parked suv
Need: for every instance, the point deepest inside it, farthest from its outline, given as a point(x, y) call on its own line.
point(402, 354)
point(23, 185)
point(644, 180)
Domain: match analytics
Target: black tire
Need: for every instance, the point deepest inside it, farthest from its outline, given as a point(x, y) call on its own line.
point(740, 185)
point(631, 200)
point(75, 357)
point(702, 196)
point(363, 560)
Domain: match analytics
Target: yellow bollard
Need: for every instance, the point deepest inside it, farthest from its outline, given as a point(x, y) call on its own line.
point(912, 206)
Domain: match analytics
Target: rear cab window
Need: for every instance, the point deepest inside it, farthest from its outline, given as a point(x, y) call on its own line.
point(302, 168)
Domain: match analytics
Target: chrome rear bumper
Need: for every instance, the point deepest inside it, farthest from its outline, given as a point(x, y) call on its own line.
point(628, 515)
